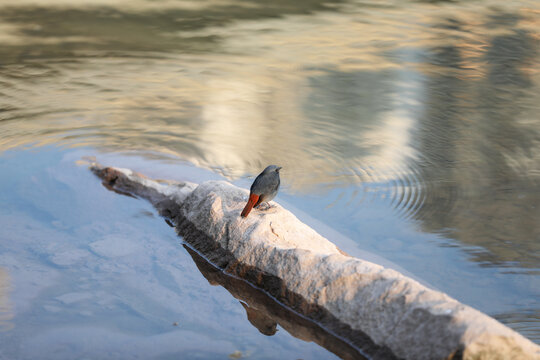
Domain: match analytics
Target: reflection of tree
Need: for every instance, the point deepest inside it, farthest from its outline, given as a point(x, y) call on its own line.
point(479, 146)
point(439, 135)
point(115, 30)
point(478, 135)
point(351, 121)
point(344, 105)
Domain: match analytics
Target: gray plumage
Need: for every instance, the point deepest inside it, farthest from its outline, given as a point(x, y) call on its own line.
point(266, 185)
point(264, 188)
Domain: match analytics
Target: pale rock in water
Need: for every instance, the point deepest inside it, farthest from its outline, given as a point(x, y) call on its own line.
point(378, 310)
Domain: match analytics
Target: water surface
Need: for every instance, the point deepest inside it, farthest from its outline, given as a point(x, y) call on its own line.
point(411, 128)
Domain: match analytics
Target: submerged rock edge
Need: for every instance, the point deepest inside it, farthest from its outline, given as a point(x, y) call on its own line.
point(351, 297)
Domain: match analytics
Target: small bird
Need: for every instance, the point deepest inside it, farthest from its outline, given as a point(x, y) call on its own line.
point(264, 188)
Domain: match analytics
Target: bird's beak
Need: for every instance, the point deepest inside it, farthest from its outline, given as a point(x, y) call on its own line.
point(279, 168)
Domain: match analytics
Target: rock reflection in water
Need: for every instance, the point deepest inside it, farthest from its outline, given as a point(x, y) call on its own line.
point(266, 314)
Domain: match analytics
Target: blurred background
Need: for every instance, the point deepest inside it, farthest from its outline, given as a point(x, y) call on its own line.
point(412, 128)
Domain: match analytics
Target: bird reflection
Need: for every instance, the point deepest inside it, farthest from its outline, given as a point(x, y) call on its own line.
point(265, 324)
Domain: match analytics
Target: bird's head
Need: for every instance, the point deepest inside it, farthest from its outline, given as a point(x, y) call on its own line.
point(272, 168)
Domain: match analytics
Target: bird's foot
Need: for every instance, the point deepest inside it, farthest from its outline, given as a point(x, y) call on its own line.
point(264, 206)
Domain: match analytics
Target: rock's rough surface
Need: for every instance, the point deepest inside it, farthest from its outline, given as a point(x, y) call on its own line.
point(378, 310)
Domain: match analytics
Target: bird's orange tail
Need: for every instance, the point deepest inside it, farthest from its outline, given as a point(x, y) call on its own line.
point(251, 202)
